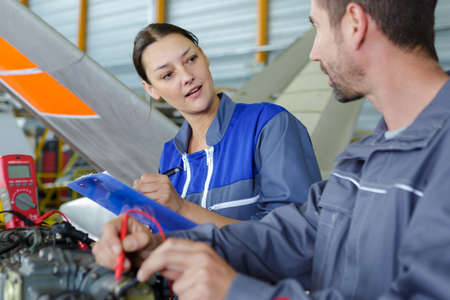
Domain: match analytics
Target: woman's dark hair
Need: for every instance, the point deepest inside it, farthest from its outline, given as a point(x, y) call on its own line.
point(407, 23)
point(150, 34)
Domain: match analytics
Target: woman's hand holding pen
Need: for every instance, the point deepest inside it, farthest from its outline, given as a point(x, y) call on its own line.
point(159, 188)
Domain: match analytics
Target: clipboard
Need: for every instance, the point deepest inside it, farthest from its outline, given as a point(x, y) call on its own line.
point(118, 197)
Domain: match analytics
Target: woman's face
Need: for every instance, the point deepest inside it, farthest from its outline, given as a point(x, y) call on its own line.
point(179, 73)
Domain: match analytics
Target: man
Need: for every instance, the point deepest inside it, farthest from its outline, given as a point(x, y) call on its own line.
point(380, 226)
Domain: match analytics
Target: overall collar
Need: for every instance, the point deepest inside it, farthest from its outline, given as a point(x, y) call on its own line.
point(216, 130)
point(416, 136)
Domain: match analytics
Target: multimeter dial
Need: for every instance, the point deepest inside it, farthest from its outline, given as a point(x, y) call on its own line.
point(24, 201)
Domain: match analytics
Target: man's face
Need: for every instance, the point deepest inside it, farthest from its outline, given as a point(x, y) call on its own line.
point(331, 51)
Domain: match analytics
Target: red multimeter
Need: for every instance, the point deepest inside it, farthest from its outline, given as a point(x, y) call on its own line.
point(18, 190)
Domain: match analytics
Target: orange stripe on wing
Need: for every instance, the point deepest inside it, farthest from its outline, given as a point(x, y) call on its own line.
point(12, 59)
point(46, 95)
point(40, 90)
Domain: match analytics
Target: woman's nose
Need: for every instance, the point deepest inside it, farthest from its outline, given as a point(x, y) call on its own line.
point(187, 76)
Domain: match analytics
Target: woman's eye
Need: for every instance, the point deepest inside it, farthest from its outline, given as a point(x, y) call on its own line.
point(167, 76)
point(192, 58)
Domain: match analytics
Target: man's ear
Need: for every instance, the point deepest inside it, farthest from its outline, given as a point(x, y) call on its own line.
point(356, 24)
point(150, 90)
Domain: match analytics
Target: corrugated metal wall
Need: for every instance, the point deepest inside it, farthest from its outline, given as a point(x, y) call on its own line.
point(443, 33)
point(112, 26)
point(61, 15)
point(288, 21)
point(226, 29)
point(227, 32)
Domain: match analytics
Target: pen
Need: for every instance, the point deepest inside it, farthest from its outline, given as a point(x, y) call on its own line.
point(173, 171)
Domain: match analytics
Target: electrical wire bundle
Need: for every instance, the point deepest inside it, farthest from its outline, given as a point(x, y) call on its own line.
point(39, 234)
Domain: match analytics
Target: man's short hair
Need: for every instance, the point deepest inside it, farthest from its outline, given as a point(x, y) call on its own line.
point(407, 23)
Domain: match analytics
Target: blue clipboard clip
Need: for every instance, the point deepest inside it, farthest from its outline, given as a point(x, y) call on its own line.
point(118, 197)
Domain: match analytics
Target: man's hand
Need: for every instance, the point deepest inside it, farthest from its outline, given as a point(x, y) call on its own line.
point(139, 239)
point(198, 271)
point(159, 188)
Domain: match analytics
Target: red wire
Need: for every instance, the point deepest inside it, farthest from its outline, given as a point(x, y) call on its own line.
point(151, 218)
point(123, 232)
point(39, 220)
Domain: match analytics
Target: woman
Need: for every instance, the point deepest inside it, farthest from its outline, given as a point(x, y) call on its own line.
point(237, 161)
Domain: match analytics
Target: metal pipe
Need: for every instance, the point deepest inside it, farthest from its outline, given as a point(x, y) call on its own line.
point(82, 20)
point(160, 11)
point(261, 57)
point(59, 169)
point(60, 155)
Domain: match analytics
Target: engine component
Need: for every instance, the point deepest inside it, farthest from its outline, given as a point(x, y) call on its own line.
point(30, 239)
point(45, 264)
point(56, 273)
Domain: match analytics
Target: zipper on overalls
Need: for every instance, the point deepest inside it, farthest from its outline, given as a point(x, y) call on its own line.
point(210, 165)
point(188, 175)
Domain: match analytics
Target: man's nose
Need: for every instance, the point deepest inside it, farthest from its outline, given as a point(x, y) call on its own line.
point(314, 53)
